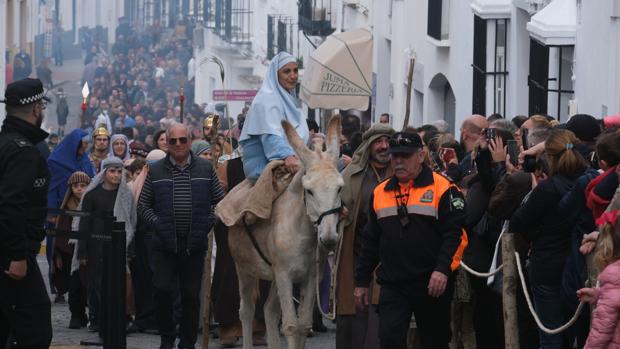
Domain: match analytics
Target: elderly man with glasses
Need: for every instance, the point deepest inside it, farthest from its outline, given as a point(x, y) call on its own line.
point(177, 200)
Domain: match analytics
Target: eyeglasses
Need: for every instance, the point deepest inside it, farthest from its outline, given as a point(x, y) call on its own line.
point(173, 141)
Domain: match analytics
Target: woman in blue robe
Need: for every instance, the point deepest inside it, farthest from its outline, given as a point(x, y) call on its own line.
point(262, 137)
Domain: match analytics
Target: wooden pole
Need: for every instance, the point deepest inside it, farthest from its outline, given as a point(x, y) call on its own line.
point(509, 292)
point(206, 296)
point(409, 87)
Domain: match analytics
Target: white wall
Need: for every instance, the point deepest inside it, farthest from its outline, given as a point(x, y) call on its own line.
point(597, 75)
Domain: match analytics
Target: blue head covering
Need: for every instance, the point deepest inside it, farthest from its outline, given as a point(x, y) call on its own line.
point(63, 161)
point(115, 138)
point(273, 104)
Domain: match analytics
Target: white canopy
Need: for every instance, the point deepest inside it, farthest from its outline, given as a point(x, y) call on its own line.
point(339, 73)
point(491, 9)
point(556, 24)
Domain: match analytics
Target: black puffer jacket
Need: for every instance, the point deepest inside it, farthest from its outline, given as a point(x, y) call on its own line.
point(544, 225)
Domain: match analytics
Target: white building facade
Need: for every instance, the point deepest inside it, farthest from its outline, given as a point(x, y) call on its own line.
point(28, 24)
point(512, 57)
point(243, 35)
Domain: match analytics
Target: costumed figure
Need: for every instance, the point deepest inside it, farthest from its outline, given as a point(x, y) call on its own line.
point(262, 137)
point(119, 147)
point(101, 145)
point(62, 278)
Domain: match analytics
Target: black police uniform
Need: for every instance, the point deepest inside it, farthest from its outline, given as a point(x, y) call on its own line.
point(25, 310)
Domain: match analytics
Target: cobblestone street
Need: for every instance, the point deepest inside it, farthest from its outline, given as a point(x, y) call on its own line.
point(63, 336)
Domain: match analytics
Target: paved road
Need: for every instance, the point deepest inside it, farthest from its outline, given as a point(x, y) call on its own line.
point(63, 336)
point(69, 78)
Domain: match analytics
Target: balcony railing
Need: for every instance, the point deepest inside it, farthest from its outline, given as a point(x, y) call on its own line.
point(231, 20)
point(315, 17)
point(280, 36)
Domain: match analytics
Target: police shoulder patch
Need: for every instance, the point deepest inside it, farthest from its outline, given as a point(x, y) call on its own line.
point(458, 203)
point(22, 143)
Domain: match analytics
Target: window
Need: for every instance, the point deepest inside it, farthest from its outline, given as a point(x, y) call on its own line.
point(494, 74)
point(315, 17)
point(279, 34)
point(233, 20)
point(438, 21)
point(550, 83)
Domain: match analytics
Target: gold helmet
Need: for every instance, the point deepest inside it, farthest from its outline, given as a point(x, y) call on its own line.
point(101, 131)
point(208, 122)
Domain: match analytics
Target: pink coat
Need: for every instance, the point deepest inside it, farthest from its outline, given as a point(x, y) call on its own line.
point(605, 330)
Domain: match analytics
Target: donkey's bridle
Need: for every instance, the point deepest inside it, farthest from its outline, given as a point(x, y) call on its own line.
point(335, 210)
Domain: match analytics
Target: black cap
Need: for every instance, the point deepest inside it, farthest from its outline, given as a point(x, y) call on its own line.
point(24, 92)
point(405, 143)
point(585, 127)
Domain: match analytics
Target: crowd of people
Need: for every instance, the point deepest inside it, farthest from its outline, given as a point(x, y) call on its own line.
point(416, 204)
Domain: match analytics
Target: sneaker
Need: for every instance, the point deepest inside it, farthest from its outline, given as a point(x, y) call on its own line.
point(75, 323)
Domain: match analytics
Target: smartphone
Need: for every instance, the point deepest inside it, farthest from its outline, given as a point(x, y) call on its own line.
point(447, 154)
point(491, 133)
point(513, 151)
point(524, 133)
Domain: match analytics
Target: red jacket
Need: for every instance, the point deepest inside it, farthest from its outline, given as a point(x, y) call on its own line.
point(605, 330)
point(597, 204)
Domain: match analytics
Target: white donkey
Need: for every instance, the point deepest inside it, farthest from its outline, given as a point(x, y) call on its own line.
point(304, 218)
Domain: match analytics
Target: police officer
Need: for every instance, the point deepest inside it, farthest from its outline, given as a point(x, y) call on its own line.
point(415, 230)
point(25, 311)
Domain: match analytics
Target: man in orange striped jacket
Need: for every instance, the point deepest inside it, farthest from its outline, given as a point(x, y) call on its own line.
point(415, 230)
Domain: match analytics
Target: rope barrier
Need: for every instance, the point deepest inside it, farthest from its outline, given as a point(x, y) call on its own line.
point(479, 274)
point(536, 318)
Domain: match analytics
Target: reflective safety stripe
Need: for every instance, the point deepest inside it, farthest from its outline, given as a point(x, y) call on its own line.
point(411, 209)
point(423, 210)
point(387, 212)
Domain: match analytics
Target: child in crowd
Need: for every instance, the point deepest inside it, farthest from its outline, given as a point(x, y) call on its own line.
point(605, 330)
point(64, 278)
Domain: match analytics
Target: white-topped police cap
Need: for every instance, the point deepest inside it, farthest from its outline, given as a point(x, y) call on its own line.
point(24, 92)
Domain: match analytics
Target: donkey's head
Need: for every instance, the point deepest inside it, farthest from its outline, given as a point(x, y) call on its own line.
point(321, 181)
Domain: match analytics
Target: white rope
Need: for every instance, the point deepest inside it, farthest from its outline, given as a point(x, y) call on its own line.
point(331, 315)
point(536, 318)
point(479, 274)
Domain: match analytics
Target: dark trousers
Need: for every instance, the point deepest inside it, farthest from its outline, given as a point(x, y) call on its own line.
point(432, 315)
point(187, 269)
point(488, 315)
point(25, 309)
point(550, 309)
point(77, 295)
point(142, 278)
point(358, 331)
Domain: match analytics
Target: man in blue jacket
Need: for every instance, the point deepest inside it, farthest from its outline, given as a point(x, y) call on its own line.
point(177, 200)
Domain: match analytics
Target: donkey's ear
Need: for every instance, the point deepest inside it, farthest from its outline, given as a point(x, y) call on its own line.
point(300, 148)
point(334, 130)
